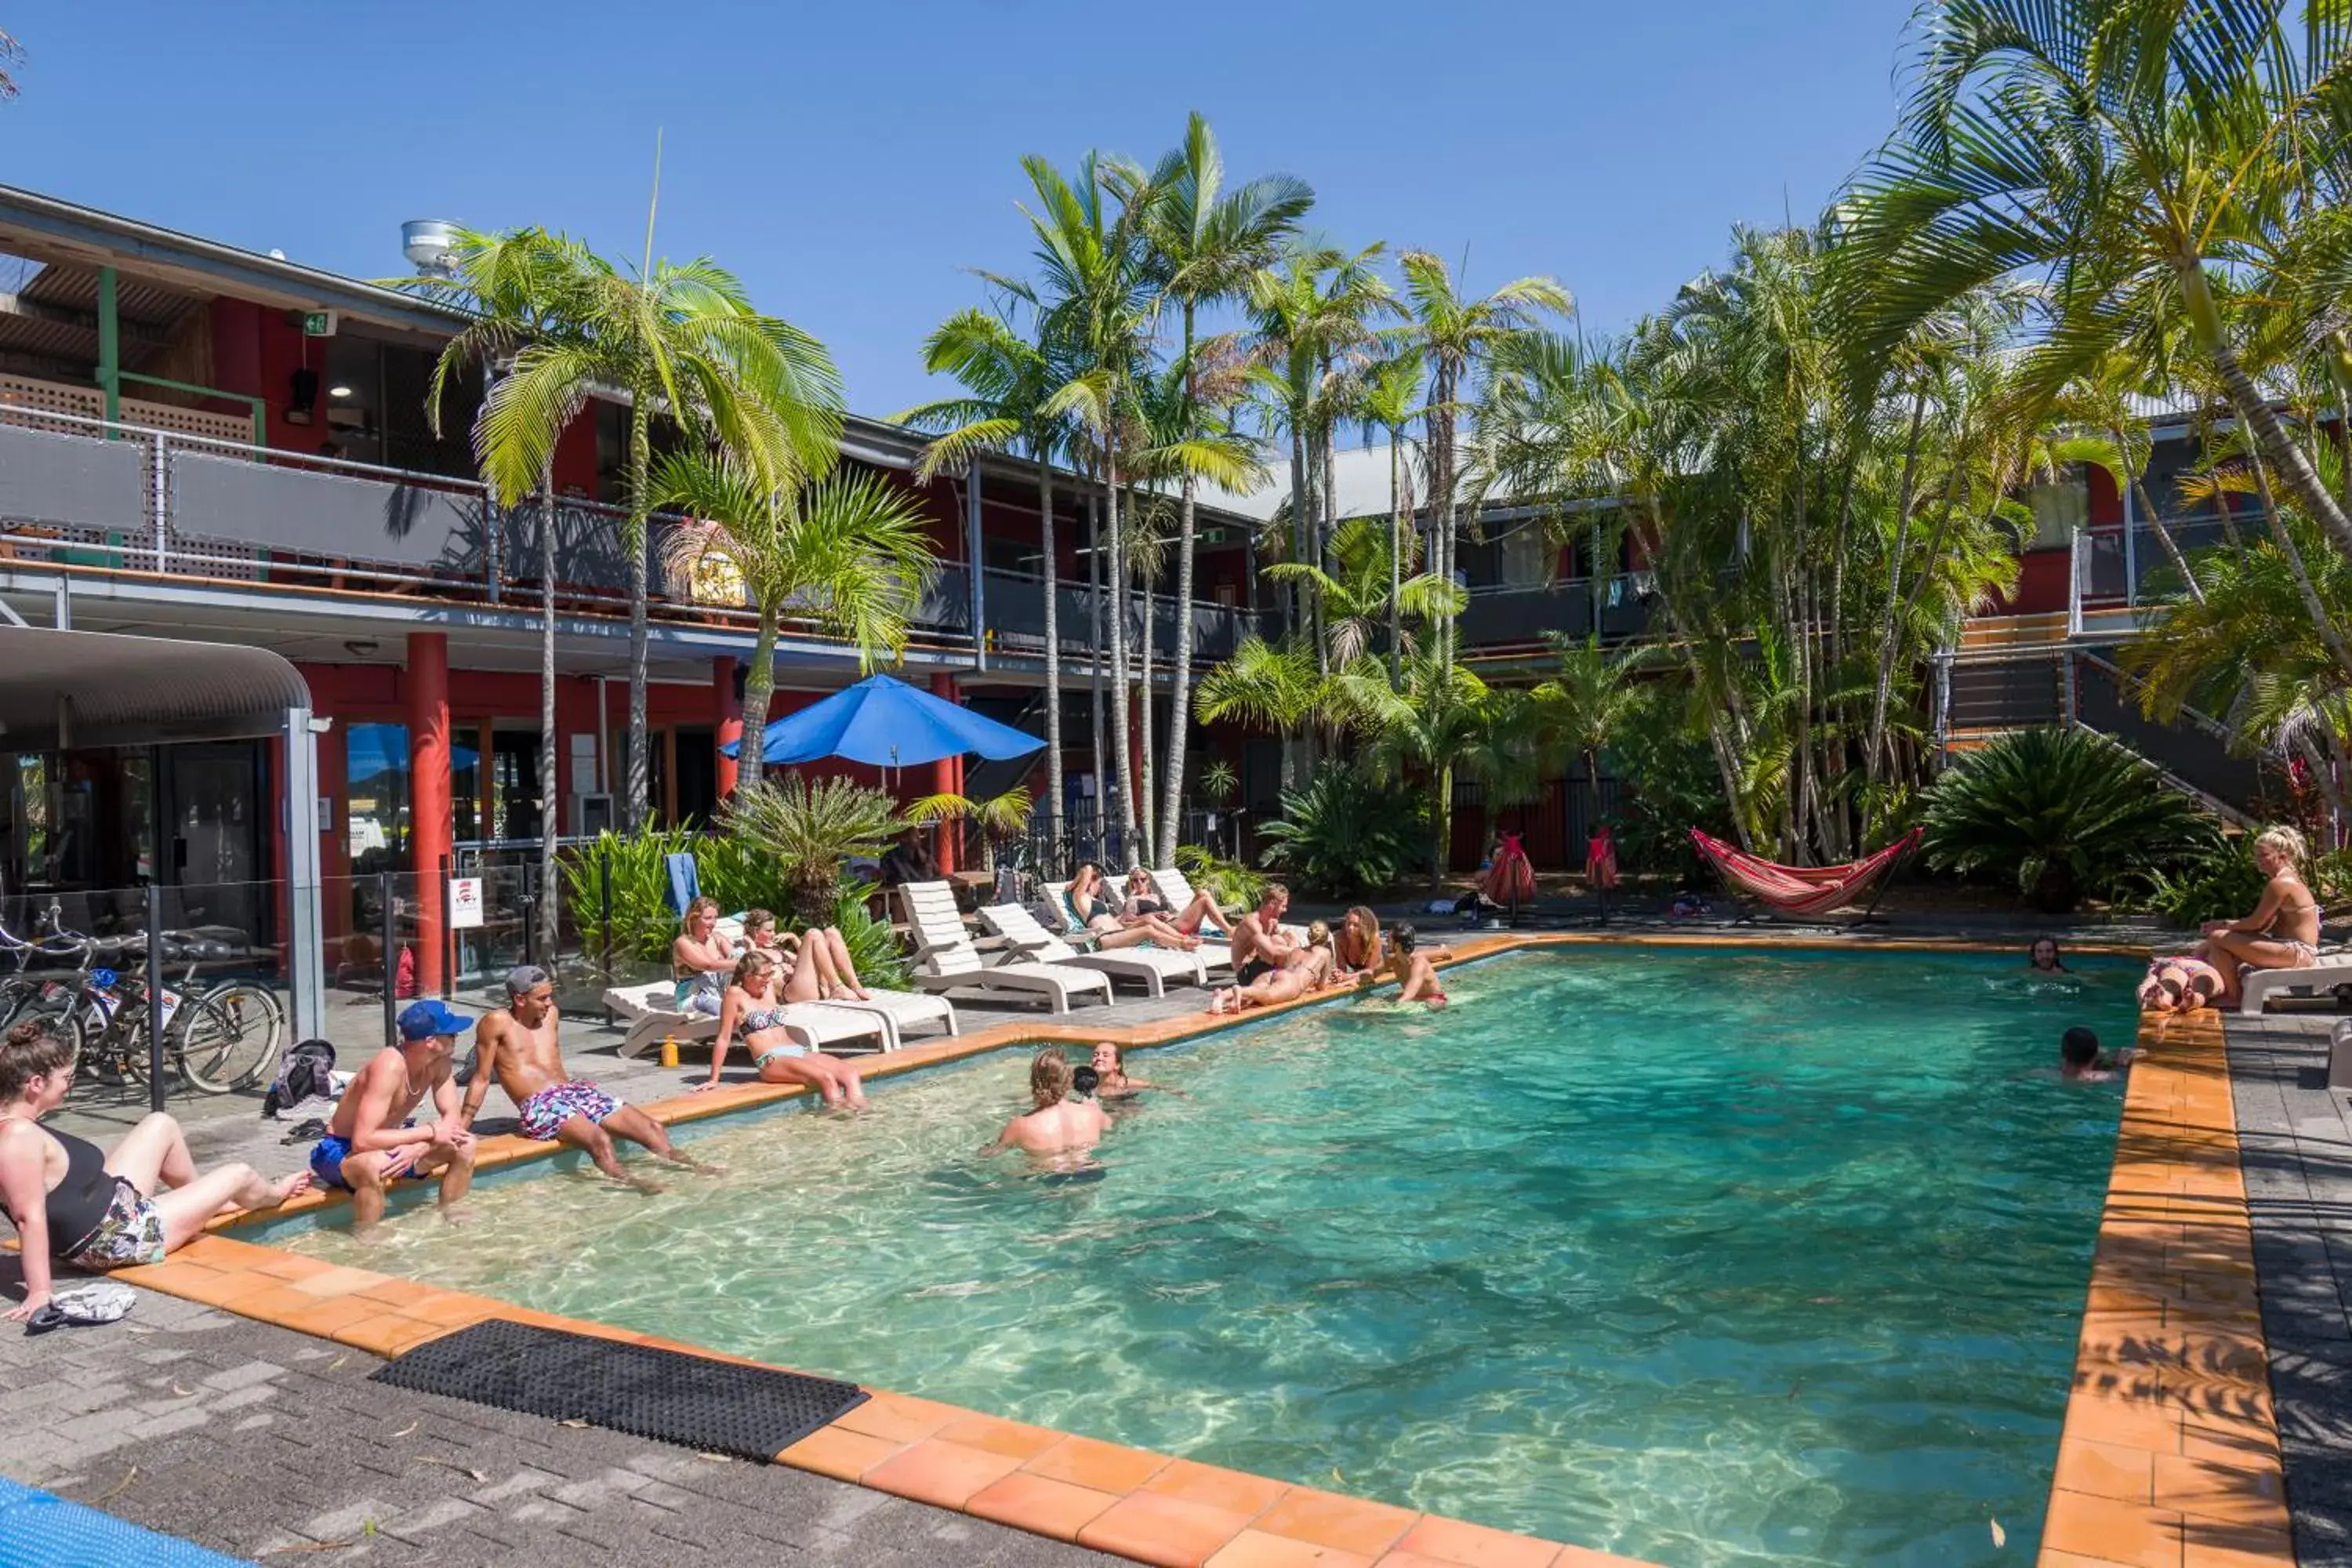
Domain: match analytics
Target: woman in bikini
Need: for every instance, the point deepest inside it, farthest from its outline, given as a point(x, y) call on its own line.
point(2283, 931)
point(1088, 909)
point(2178, 986)
point(701, 958)
point(1310, 968)
point(818, 968)
point(753, 1008)
point(1356, 946)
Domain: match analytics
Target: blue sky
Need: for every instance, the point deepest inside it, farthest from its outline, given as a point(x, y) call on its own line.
point(849, 160)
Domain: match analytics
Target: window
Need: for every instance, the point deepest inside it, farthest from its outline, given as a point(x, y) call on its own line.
point(376, 774)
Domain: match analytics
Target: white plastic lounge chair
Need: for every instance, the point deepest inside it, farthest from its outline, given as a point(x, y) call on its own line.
point(1052, 907)
point(1177, 889)
point(820, 1026)
point(1154, 966)
point(905, 1009)
point(2257, 986)
point(946, 959)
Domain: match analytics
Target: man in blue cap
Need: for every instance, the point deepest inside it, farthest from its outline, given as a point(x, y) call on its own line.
point(374, 1137)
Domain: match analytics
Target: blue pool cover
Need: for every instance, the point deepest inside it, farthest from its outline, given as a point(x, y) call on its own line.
point(38, 1530)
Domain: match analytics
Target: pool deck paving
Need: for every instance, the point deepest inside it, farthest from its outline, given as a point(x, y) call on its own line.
point(2170, 1454)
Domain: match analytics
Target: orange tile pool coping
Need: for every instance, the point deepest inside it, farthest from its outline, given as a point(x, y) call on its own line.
point(2170, 1455)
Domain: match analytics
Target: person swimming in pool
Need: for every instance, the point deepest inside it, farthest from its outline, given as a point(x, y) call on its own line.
point(752, 1005)
point(1056, 1122)
point(2042, 958)
point(2179, 984)
point(1415, 971)
point(2080, 1061)
point(1109, 1063)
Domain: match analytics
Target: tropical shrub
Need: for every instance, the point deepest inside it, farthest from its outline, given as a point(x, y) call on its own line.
point(873, 949)
point(808, 827)
point(2065, 814)
point(617, 891)
point(1348, 832)
point(1667, 784)
point(2219, 883)
point(1231, 882)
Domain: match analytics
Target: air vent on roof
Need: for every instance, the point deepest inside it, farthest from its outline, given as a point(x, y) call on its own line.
point(428, 243)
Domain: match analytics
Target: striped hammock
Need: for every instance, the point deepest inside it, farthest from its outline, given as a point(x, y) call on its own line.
point(1802, 890)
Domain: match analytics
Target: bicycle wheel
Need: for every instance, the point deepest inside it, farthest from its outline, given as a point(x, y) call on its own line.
point(228, 1037)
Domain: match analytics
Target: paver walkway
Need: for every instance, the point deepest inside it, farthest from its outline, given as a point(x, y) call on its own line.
point(274, 1446)
point(2294, 1140)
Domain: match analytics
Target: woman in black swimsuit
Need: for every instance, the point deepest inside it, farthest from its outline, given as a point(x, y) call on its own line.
point(69, 1200)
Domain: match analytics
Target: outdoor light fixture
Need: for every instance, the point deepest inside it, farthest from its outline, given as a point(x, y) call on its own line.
point(339, 391)
point(360, 647)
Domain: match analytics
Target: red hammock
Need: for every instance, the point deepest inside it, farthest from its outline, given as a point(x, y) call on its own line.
point(1802, 890)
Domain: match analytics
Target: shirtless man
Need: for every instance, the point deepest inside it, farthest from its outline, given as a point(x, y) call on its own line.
point(517, 1046)
point(1260, 944)
point(372, 1138)
point(1059, 1124)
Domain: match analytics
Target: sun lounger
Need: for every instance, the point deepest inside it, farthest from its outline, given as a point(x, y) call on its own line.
point(2257, 986)
point(1177, 889)
point(945, 958)
point(1152, 966)
point(905, 1009)
point(820, 1026)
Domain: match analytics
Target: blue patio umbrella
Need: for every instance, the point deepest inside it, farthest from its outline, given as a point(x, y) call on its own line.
point(887, 723)
point(373, 749)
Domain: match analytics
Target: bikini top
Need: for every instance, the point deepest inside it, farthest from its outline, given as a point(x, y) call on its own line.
point(77, 1206)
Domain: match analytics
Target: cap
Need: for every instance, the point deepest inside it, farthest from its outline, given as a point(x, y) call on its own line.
point(423, 1020)
point(525, 978)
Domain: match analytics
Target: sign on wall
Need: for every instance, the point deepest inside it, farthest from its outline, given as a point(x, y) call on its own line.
point(464, 903)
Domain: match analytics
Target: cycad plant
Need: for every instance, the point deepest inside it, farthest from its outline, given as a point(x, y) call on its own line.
point(1348, 832)
point(2064, 813)
point(809, 826)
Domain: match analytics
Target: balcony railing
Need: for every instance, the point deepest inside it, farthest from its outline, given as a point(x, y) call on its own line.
point(1503, 618)
point(78, 491)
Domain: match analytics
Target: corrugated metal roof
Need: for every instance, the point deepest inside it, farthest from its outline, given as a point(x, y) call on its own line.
point(60, 689)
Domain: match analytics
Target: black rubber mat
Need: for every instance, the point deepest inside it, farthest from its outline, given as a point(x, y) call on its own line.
point(711, 1406)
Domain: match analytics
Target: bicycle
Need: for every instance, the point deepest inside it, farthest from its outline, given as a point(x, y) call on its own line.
point(219, 1040)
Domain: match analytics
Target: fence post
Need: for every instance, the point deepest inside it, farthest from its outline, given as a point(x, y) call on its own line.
point(448, 935)
point(530, 913)
point(391, 959)
point(604, 881)
point(493, 545)
point(155, 997)
point(162, 500)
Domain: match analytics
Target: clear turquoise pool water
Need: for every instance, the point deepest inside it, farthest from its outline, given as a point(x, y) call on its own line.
point(1704, 1258)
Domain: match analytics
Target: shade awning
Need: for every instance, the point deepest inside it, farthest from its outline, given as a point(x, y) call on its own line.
point(60, 690)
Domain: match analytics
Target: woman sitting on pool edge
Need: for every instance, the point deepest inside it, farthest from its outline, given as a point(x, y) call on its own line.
point(1310, 968)
point(2283, 931)
point(751, 1005)
point(2178, 986)
point(1356, 947)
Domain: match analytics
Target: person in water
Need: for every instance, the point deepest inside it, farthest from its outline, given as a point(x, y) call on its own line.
point(74, 1202)
point(2283, 931)
point(1110, 1064)
point(752, 1007)
point(2179, 984)
point(2042, 958)
point(1356, 947)
point(1057, 1123)
point(372, 1138)
point(1415, 971)
point(517, 1046)
point(2080, 1061)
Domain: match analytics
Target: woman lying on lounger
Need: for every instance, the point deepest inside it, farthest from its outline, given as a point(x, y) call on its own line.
point(1089, 909)
point(753, 1008)
point(2283, 931)
point(1309, 968)
point(1143, 901)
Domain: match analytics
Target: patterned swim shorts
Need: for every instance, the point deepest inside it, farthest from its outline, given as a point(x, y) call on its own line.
point(131, 1231)
point(547, 1109)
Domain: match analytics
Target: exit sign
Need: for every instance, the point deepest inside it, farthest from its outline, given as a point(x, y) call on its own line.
point(319, 323)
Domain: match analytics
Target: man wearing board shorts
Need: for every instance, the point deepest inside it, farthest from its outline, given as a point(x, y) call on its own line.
point(517, 1046)
point(374, 1136)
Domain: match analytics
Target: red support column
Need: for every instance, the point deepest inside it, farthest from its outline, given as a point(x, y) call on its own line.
point(428, 796)
point(727, 713)
point(944, 780)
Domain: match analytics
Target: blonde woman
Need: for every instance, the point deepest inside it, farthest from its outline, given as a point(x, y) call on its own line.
point(2283, 931)
point(701, 958)
point(1307, 968)
point(752, 1008)
point(1089, 907)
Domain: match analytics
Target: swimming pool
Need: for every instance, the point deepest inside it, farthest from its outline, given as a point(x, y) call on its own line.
point(1708, 1258)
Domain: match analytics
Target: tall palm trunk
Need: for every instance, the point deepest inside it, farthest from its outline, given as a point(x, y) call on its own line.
point(1441, 486)
point(1115, 574)
point(1180, 697)
point(1095, 672)
point(637, 541)
point(2312, 606)
point(1146, 820)
point(2157, 524)
point(759, 690)
point(1396, 561)
point(2293, 465)
point(550, 815)
point(1298, 521)
point(1052, 573)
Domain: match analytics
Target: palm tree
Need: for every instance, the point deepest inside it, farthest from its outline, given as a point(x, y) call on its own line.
point(1456, 337)
point(1204, 242)
point(849, 552)
point(1388, 400)
point(1267, 686)
point(1009, 386)
point(1439, 719)
point(2141, 153)
point(1368, 594)
point(682, 341)
point(521, 288)
point(1587, 701)
point(1091, 294)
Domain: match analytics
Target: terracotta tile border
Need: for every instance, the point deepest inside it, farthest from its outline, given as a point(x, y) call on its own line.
point(2170, 1453)
point(2169, 1457)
